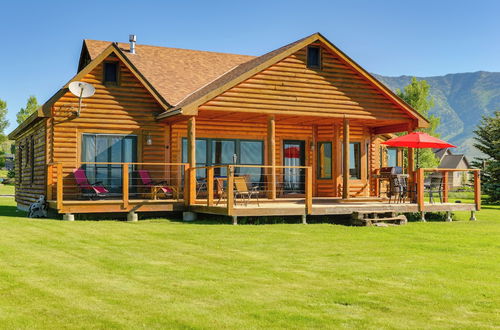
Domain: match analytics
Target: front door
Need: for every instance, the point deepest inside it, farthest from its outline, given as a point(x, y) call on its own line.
point(294, 154)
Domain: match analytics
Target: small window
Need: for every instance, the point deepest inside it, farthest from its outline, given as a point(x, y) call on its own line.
point(324, 160)
point(392, 157)
point(314, 57)
point(111, 72)
point(355, 160)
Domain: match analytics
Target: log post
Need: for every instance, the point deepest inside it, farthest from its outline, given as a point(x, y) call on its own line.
point(125, 185)
point(210, 186)
point(191, 143)
point(477, 190)
point(271, 157)
point(445, 187)
point(230, 189)
point(50, 181)
point(186, 185)
point(59, 186)
point(309, 190)
point(346, 162)
point(420, 189)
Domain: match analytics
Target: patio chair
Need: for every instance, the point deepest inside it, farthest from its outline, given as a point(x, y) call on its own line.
point(241, 190)
point(157, 186)
point(395, 189)
point(92, 190)
point(435, 186)
point(219, 187)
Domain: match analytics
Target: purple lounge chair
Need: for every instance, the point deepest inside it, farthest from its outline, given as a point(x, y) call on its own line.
point(157, 186)
point(93, 190)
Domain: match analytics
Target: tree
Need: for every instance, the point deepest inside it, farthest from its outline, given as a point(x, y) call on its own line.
point(487, 136)
point(416, 94)
point(3, 121)
point(31, 106)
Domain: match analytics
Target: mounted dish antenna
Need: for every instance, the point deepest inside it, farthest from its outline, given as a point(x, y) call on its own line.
point(81, 90)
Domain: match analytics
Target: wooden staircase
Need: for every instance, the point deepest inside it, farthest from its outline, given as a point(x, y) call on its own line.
point(377, 218)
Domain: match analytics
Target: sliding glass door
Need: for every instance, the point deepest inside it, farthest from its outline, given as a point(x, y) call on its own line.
point(228, 151)
point(108, 148)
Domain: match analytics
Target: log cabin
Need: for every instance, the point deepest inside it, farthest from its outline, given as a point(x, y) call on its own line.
point(302, 124)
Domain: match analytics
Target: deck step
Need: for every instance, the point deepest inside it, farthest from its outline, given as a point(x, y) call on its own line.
point(377, 218)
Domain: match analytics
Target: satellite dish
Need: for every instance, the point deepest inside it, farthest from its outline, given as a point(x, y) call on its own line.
point(81, 90)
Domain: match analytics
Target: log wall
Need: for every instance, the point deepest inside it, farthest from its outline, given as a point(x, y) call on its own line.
point(125, 108)
point(30, 174)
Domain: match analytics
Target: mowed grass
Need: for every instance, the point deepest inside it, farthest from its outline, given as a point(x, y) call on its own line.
point(168, 274)
point(7, 189)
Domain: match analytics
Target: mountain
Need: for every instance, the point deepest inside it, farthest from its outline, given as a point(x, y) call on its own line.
point(460, 100)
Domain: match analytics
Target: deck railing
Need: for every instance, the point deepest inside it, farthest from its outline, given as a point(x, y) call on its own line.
point(123, 181)
point(425, 186)
point(269, 183)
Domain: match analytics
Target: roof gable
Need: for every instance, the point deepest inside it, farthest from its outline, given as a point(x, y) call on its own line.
point(189, 105)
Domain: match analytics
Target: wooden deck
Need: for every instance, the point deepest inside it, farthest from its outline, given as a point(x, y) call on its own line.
point(117, 206)
point(325, 206)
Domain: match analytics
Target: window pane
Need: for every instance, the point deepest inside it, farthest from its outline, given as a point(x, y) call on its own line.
point(251, 152)
point(355, 160)
point(313, 57)
point(325, 160)
point(88, 148)
point(223, 151)
point(201, 151)
point(101, 149)
point(116, 149)
point(110, 72)
point(392, 157)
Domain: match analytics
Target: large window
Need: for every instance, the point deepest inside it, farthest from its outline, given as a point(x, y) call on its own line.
point(104, 148)
point(324, 160)
point(392, 157)
point(228, 151)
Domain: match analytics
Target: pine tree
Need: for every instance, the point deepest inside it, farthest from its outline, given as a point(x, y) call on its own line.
point(416, 94)
point(31, 106)
point(488, 141)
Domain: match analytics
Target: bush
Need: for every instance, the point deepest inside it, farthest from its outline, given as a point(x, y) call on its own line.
point(11, 174)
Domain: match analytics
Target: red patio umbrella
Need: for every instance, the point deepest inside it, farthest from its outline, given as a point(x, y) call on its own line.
point(418, 140)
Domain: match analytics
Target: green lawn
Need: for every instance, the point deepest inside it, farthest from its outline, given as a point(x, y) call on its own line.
point(7, 189)
point(161, 273)
point(3, 173)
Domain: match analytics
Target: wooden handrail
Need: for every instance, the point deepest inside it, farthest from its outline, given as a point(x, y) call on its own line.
point(248, 166)
point(114, 163)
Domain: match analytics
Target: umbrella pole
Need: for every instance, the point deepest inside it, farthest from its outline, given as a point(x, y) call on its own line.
point(417, 158)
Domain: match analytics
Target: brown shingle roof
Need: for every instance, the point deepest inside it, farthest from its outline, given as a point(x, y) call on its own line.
point(175, 73)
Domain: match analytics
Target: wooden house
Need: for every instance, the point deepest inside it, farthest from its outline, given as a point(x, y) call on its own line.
point(303, 122)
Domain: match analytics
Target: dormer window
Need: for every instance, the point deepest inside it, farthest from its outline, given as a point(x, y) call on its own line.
point(314, 57)
point(111, 73)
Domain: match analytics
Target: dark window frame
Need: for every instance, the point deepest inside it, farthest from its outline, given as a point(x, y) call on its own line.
point(117, 66)
point(208, 157)
point(320, 58)
point(319, 167)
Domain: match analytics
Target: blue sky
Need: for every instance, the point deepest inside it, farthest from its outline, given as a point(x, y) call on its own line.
point(41, 40)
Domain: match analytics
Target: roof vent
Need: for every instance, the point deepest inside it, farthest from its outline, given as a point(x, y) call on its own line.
point(132, 38)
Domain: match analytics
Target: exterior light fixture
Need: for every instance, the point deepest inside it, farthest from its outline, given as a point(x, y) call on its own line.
point(149, 140)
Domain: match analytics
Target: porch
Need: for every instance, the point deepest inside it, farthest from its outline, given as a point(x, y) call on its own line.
point(278, 191)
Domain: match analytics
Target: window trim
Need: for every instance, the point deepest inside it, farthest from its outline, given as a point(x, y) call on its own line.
point(118, 76)
point(320, 58)
point(318, 160)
